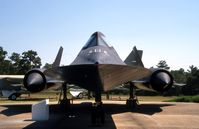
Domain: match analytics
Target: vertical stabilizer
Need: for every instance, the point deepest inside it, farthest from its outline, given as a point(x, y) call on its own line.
point(57, 61)
point(135, 58)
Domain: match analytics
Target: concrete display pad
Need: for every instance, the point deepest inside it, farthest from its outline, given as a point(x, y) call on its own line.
point(150, 115)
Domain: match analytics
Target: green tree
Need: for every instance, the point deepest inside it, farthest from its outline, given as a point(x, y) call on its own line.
point(47, 66)
point(6, 67)
point(193, 80)
point(194, 71)
point(163, 65)
point(3, 54)
point(15, 59)
point(18, 64)
point(4, 64)
point(29, 60)
point(179, 75)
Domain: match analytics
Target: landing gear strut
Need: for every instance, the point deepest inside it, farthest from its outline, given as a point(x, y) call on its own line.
point(65, 102)
point(132, 102)
point(97, 111)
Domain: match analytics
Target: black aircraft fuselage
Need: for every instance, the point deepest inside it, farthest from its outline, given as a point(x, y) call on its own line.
point(98, 67)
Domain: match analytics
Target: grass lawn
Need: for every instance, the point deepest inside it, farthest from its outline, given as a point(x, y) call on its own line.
point(54, 97)
point(185, 99)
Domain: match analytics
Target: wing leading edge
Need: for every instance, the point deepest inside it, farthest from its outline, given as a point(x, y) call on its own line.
point(102, 77)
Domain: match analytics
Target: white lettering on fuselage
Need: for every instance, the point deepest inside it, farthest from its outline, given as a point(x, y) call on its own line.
point(97, 51)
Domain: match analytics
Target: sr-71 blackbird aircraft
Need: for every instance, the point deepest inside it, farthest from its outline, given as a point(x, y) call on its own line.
point(98, 68)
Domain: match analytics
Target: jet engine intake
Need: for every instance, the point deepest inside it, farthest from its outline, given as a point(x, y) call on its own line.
point(34, 80)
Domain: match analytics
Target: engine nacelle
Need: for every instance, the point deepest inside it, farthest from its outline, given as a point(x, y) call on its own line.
point(160, 80)
point(34, 80)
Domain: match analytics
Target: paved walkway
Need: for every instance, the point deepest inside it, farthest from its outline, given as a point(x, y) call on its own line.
point(156, 115)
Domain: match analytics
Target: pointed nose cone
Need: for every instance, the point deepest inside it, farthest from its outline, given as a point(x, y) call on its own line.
point(98, 33)
point(96, 39)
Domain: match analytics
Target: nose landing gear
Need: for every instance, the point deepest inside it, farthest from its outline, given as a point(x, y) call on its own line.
point(97, 111)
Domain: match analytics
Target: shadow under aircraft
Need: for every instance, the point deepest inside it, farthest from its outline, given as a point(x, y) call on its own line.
point(98, 68)
point(78, 115)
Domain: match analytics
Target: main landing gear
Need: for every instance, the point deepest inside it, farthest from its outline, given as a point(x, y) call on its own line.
point(97, 111)
point(132, 102)
point(65, 102)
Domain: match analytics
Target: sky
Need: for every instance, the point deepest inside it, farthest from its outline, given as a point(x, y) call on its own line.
point(164, 29)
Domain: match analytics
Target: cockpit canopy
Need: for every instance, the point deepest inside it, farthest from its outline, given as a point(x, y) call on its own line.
point(96, 39)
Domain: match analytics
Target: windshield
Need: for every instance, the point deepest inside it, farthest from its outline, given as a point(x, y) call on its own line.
point(95, 40)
